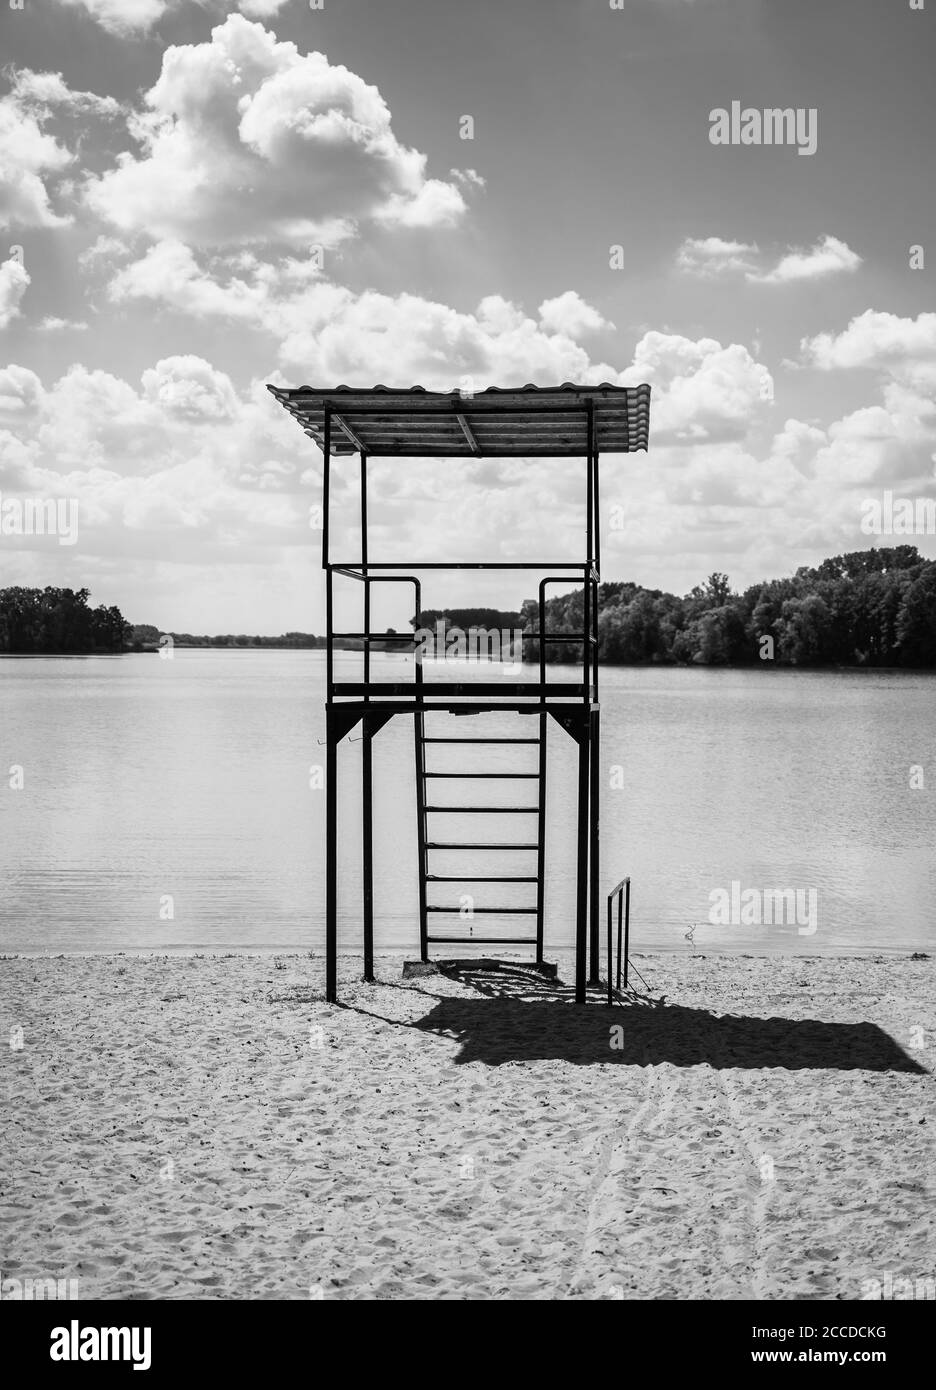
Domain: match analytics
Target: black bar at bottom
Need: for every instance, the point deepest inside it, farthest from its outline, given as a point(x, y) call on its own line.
point(234, 1334)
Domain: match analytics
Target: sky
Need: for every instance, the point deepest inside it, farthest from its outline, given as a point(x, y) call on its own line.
point(197, 199)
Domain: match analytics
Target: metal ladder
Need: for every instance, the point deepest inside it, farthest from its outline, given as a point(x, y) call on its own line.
point(431, 816)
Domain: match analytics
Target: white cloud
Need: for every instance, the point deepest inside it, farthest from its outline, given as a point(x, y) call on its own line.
point(797, 443)
point(180, 461)
point(121, 17)
point(876, 340)
point(709, 257)
point(331, 334)
point(106, 249)
point(180, 474)
point(27, 155)
point(131, 18)
point(890, 442)
point(261, 9)
point(51, 324)
point(20, 392)
point(568, 313)
point(828, 257)
point(246, 140)
point(703, 393)
point(191, 388)
point(47, 90)
point(13, 284)
point(260, 294)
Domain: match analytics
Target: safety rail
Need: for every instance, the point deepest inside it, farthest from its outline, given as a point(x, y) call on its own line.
point(585, 690)
point(622, 893)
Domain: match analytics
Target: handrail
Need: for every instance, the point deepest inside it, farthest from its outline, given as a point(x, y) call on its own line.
point(622, 893)
point(586, 639)
point(368, 637)
point(589, 639)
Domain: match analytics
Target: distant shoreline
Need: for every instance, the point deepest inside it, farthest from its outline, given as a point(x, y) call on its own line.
point(765, 666)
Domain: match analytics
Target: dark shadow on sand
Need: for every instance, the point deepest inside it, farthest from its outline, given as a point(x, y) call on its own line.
point(521, 1017)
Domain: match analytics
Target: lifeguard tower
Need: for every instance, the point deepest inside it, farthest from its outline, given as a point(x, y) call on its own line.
point(527, 422)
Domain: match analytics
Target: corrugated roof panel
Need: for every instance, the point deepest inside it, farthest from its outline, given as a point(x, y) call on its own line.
point(542, 421)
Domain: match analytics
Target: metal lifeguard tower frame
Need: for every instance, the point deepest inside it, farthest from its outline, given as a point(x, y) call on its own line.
point(526, 422)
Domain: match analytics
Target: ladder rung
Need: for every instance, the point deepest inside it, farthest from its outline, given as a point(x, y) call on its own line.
point(437, 845)
point(498, 775)
point(481, 878)
point(486, 810)
point(491, 911)
point(480, 740)
point(482, 940)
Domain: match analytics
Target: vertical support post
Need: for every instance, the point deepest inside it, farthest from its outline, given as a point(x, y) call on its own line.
point(329, 614)
point(331, 857)
point(367, 596)
point(367, 765)
point(626, 928)
point(419, 731)
point(594, 811)
point(368, 849)
point(581, 877)
point(331, 762)
point(590, 482)
point(419, 728)
point(541, 839)
point(587, 653)
point(326, 480)
point(592, 444)
point(610, 955)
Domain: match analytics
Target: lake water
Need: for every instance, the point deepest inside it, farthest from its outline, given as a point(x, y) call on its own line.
point(150, 780)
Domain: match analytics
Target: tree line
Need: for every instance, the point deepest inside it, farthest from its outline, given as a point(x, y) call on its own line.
point(53, 621)
point(866, 608)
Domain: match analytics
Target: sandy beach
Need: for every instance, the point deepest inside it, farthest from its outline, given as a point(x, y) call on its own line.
point(207, 1127)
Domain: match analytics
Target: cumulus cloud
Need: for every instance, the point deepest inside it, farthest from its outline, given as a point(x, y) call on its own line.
point(891, 441)
point(710, 257)
point(52, 324)
point(190, 388)
point(105, 250)
point(30, 157)
point(20, 392)
point(246, 140)
point(179, 455)
point(121, 17)
point(131, 18)
point(876, 340)
point(182, 465)
point(828, 257)
point(13, 283)
point(705, 393)
point(261, 9)
point(49, 90)
point(331, 333)
point(27, 156)
point(568, 313)
point(267, 296)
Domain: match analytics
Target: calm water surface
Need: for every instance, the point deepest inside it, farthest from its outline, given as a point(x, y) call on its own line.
point(183, 787)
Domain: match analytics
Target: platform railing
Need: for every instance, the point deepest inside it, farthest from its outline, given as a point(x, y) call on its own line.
point(419, 689)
